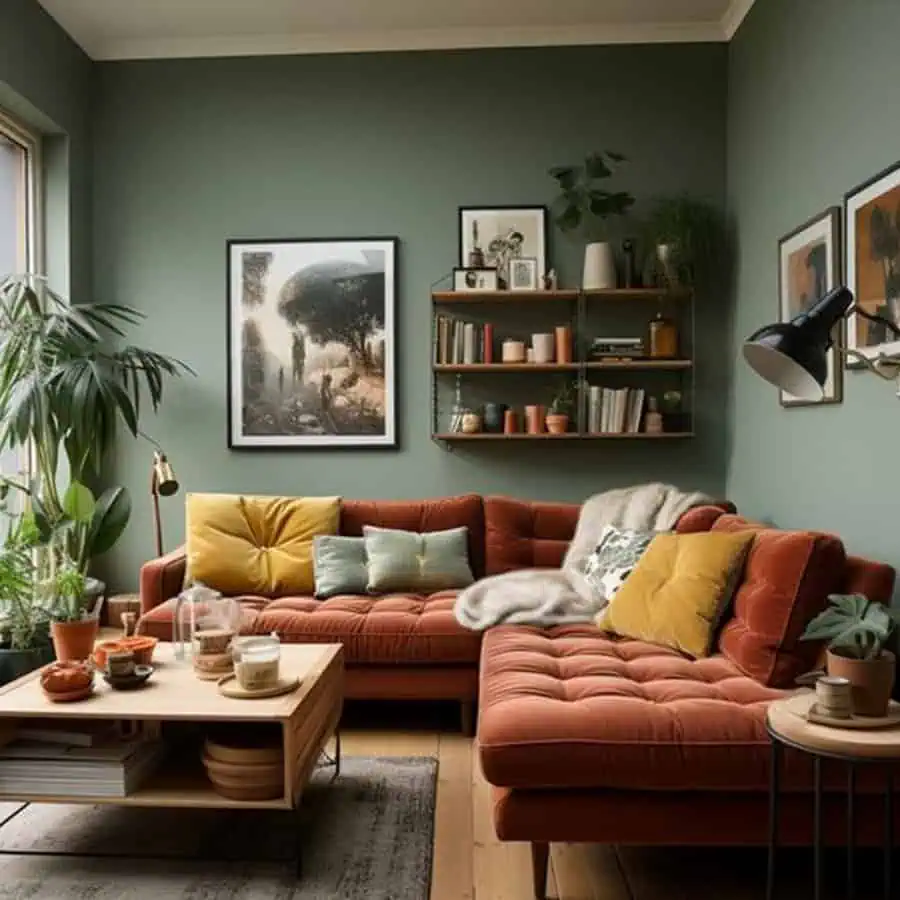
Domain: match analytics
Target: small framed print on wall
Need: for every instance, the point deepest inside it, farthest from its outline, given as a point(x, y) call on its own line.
point(808, 268)
point(491, 237)
point(873, 262)
point(474, 280)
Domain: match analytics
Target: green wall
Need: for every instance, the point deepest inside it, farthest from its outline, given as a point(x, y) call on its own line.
point(189, 153)
point(46, 80)
point(812, 113)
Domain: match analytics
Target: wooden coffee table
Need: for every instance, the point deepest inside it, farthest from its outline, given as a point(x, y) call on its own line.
point(308, 716)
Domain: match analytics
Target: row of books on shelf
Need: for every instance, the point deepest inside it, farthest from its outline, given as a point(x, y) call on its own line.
point(615, 411)
point(76, 762)
point(462, 343)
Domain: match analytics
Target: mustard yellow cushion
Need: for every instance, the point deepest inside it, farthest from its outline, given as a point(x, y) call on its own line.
point(677, 591)
point(256, 545)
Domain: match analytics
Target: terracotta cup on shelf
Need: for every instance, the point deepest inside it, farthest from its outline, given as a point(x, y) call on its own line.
point(534, 419)
point(511, 422)
point(563, 335)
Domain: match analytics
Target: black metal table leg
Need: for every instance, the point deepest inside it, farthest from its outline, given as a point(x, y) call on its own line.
point(888, 835)
point(337, 752)
point(774, 787)
point(817, 828)
point(851, 829)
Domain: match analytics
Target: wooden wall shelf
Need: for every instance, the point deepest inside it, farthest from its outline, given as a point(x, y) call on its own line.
point(495, 296)
point(568, 436)
point(494, 368)
point(664, 365)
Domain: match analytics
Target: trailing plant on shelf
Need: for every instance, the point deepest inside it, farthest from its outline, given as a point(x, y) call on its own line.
point(687, 236)
point(858, 631)
point(67, 388)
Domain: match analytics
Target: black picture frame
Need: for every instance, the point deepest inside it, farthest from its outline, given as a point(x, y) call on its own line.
point(328, 439)
point(827, 223)
point(541, 253)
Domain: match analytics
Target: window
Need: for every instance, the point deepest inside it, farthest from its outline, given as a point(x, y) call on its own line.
point(20, 226)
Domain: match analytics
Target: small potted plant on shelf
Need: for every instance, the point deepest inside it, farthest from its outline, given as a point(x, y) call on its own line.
point(557, 419)
point(857, 630)
point(583, 207)
point(686, 236)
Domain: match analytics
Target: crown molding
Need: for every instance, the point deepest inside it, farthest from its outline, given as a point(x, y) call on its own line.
point(384, 41)
point(734, 15)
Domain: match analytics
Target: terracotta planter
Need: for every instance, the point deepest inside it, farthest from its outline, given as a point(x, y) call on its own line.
point(557, 423)
point(534, 419)
point(74, 640)
point(872, 680)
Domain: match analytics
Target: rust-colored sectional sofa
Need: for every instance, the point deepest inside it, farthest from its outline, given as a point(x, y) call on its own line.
point(586, 737)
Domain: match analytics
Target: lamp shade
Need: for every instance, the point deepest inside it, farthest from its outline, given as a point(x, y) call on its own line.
point(793, 355)
point(164, 479)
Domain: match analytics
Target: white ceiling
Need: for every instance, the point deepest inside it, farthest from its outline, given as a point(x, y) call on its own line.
point(141, 29)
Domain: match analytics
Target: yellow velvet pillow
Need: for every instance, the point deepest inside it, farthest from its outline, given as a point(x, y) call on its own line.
point(256, 545)
point(676, 593)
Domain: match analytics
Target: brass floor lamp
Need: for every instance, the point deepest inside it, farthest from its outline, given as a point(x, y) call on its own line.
point(163, 483)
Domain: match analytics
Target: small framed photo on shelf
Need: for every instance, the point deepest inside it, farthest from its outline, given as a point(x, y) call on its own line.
point(474, 280)
point(523, 274)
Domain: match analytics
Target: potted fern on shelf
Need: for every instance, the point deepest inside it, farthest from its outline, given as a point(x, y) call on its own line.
point(69, 384)
point(857, 631)
point(560, 412)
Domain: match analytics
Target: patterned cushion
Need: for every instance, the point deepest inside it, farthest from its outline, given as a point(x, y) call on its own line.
point(615, 555)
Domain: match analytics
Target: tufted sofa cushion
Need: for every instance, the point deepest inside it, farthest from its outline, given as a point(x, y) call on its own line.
point(571, 708)
point(788, 576)
point(394, 628)
point(523, 535)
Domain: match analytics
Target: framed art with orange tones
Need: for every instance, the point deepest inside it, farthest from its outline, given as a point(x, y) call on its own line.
point(873, 261)
point(808, 268)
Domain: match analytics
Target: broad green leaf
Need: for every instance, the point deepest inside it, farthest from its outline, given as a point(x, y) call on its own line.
point(110, 520)
point(565, 175)
point(79, 503)
point(595, 167)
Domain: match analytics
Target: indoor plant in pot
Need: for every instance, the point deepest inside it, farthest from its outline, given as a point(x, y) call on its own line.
point(686, 235)
point(557, 418)
point(68, 384)
point(583, 207)
point(75, 615)
point(857, 630)
point(24, 623)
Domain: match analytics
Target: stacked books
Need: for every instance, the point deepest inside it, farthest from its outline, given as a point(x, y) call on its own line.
point(615, 411)
point(618, 348)
point(462, 343)
point(52, 769)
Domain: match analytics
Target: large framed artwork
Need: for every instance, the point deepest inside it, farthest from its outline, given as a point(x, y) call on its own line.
point(311, 343)
point(491, 237)
point(808, 268)
point(873, 262)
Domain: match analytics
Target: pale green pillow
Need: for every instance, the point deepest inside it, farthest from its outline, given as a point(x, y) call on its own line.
point(339, 564)
point(423, 563)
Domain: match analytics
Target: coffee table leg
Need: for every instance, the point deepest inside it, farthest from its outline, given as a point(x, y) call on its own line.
point(888, 835)
point(851, 829)
point(337, 752)
point(817, 828)
point(773, 817)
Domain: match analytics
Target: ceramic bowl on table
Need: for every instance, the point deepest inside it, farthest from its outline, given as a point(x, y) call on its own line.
point(142, 646)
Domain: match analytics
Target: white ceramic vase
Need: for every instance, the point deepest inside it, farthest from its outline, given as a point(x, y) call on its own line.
point(599, 267)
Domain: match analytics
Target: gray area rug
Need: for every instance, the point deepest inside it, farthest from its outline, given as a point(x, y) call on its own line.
point(366, 836)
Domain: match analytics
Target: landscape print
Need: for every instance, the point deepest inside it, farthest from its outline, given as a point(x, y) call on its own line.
point(311, 343)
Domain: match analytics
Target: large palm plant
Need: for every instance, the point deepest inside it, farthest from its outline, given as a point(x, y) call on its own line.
point(68, 384)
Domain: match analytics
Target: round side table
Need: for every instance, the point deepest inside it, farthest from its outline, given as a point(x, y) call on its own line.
point(788, 727)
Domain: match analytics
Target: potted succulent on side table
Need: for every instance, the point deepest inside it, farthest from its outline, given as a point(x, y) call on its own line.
point(583, 207)
point(857, 630)
point(557, 419)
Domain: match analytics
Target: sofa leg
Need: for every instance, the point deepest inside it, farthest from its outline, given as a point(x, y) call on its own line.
point(467, 717)
point(540, 861)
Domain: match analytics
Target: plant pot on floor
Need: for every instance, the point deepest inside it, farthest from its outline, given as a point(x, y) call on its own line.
point(871, 680)
point(557, 423)
point(74, 640)
point(16, 663)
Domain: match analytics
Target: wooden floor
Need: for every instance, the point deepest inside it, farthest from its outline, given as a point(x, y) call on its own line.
point(471, 864)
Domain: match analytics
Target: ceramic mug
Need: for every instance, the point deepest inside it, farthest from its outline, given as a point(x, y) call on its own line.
point(834, 697)
point(534, 419)
point(120, 664)
point(513, 351)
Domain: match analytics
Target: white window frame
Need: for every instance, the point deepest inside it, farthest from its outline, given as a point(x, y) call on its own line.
point(30, 141)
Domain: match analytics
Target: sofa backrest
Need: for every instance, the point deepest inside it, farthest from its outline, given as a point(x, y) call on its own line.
point(524, 535)
point(439, 514)
point(786, 581)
